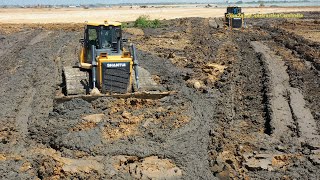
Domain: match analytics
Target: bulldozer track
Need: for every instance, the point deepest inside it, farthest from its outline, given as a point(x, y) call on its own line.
point(139, 95)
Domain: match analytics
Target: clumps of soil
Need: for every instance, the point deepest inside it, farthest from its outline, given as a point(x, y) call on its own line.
point(308, 29)
point(52, 165)
point(124, 117)
point(147, 168)
point(7, 132)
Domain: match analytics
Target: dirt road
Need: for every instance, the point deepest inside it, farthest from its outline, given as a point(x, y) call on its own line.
point(125, 14)
point(235, 89)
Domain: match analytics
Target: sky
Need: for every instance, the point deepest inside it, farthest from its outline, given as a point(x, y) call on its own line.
point(58, 2)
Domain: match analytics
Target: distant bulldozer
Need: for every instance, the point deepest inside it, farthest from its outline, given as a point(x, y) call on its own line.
point(234, 18)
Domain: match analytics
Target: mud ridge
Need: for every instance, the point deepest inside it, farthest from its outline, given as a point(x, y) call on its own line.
point(305, 48)
point(266, 91)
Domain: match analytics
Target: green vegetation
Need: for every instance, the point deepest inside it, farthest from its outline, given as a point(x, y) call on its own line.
point(125, 25)
point(145, 22)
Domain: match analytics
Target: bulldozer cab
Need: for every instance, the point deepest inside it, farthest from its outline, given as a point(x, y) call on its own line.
point(234, 10)
point(102, 36)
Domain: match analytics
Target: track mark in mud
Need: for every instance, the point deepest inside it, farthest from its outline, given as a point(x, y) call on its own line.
point(265, 98)
point(286, 103)
point(25, 111)
point(306, 123)
point(39, 38)
point(281, 117)
point(240, 114)
point(303, 75)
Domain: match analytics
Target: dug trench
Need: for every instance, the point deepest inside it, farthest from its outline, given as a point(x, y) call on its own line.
point(220, 124)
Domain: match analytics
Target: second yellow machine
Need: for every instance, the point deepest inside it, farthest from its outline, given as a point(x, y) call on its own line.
point(105, 65)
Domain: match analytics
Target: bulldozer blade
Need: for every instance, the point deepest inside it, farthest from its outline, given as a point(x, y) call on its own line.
point(138, 95)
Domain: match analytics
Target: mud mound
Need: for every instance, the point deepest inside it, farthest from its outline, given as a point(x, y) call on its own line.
point(14, 28)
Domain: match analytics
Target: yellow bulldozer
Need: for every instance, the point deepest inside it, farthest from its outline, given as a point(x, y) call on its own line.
point(234, 18)
point(108, 67)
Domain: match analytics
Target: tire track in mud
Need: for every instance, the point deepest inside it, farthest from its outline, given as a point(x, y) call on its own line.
point(295, 152)
point(307, 127)
point(240, 112)
point(302, 133)
point(13, 93)
point(302, 58)
point(281, 117)
point(17, 101)
point(26, 96)
point(25, 110)
point(286, 103)
point(264, 152)
point(10, 48)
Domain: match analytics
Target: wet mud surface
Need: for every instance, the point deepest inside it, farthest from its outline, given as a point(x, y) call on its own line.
point(221, 124)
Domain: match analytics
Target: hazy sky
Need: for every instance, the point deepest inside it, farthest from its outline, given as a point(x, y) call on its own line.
point(57, 2)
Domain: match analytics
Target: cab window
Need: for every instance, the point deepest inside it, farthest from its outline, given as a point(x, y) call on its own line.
point(106, 38)
point(93, 35)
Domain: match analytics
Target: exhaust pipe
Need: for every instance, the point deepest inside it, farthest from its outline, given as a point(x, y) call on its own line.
point(94, 66)
point(135, 64)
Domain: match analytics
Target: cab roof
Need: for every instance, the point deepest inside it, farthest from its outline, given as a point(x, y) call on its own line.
point(104, 23)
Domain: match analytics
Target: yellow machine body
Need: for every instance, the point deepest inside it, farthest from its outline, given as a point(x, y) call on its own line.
point(107, 69)
point(123, 56)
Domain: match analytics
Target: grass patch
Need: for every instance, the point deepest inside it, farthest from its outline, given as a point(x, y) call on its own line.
point(125, 25)
point(145, 22)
